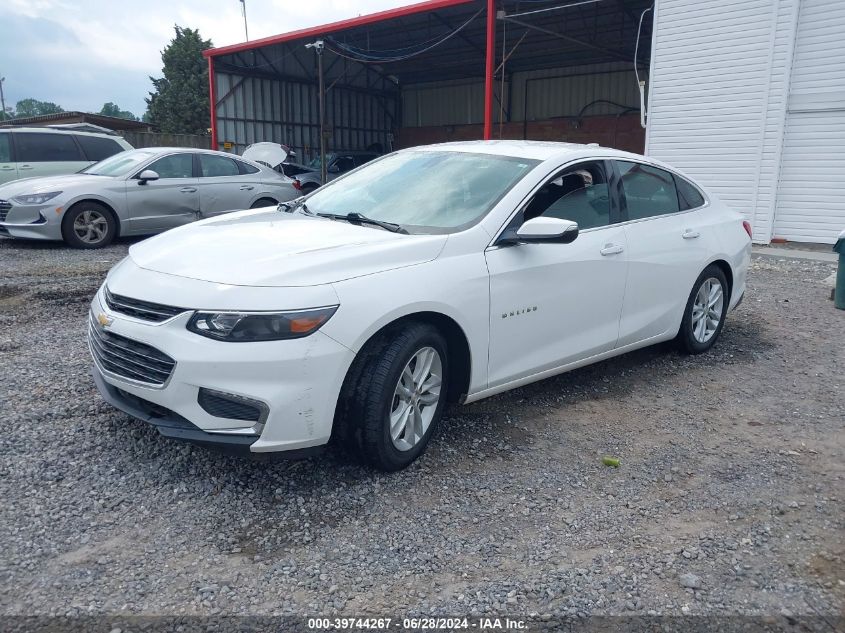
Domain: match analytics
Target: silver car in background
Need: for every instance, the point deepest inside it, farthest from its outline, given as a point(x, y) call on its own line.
point(137, 192)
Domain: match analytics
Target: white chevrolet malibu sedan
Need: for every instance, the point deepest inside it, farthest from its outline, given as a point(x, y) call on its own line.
point(442, 273)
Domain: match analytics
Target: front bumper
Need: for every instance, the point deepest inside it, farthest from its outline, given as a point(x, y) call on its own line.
point(297, 382)
point(37, 222)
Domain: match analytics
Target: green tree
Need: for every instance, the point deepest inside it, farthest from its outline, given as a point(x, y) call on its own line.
point(112, 109)
point(179, 102)
point(34, 107)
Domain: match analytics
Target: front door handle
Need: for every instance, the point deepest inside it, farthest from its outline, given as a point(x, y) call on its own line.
point(247, 187)
point(689, 234)
point(188, 189)
point(7, 168)
point(611, 249)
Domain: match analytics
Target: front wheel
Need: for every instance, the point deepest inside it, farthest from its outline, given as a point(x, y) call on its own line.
point(89, 225)
point(397, 395)
point(705, 312)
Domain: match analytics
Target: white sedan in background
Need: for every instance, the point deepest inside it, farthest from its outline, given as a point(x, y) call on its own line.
point(137, 192)
point(441, 273)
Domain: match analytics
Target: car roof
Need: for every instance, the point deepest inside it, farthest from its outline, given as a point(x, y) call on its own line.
point(535, 150)
point(53, 130)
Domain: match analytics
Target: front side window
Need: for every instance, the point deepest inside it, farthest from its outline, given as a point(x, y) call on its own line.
point(5, 149)
point(97, 147)
point(213, 166)
point(33, 147)
point(689, 197)
point(174, 166)
point(580, 195)
point(424, 191)
point(648, 191)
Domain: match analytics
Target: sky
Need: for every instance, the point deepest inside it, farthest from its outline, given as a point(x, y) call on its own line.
point(81, 54)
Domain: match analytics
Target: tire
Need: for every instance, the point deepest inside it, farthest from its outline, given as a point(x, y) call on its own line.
point(263, 202)
point(89, 225)
point(698, 332)
point(371, 396)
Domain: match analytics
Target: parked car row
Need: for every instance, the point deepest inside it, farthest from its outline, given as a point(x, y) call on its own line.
point(137, 192)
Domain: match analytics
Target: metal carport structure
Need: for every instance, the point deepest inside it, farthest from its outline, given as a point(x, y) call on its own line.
point(436, 70)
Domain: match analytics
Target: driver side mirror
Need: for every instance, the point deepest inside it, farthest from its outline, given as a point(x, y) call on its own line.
point(146, 175)
point(542, 229)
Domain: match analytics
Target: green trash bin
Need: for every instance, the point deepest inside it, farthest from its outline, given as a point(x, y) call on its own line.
point(839, 292)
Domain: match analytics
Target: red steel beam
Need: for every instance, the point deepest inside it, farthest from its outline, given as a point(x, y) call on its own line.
point(488, 74)
point(212, 97)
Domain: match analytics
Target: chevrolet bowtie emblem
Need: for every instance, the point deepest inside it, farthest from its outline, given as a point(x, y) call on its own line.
point(103, 320)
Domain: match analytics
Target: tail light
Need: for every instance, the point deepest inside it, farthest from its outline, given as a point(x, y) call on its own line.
point(297, 185)
point(747, 226)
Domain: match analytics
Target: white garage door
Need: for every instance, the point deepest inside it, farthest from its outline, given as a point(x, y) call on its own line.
point(811, 194)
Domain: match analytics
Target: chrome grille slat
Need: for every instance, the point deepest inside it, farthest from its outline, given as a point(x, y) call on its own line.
point(144, 310)
point(125, 359)
point(128, 358)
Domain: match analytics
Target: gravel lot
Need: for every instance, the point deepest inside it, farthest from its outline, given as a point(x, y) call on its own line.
point(729, 497)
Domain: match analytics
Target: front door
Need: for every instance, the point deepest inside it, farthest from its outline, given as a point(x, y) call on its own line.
point(553, 304)
point(170, 201)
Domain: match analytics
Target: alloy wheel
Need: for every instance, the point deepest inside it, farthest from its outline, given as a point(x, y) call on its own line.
point(90, 226)
point(707, 309)
point(415, 398)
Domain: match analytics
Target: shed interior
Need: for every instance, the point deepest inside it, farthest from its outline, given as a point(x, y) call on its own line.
point(563, 70)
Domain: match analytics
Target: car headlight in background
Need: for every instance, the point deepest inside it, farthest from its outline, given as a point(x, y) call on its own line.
point(35, 198)
point(247, 327)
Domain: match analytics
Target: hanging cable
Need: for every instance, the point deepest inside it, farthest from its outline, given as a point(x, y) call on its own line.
point(379, 57)
point(640, 83)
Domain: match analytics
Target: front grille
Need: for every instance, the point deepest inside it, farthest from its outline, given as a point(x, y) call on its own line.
point(223, 405)
point(144, 310)
point(5, 206)
point(127, 358)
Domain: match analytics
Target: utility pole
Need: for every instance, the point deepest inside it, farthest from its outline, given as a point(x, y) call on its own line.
point(246, 30)
point(318, 47)
point(2, 99)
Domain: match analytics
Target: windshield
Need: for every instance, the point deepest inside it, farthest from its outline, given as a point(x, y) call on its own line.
point(315, 162)
point(424, 191)
point(119, 164)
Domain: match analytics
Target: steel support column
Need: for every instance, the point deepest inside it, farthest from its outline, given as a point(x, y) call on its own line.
point(488, 74)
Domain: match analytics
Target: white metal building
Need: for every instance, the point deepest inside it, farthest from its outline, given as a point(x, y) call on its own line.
point(749, 98)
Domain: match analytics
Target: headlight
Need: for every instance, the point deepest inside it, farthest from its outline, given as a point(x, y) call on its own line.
point(35, 198)
point(247, 327)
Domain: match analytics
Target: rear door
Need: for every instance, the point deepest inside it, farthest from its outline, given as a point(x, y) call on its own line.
point(47, 154)
point(222, 186)
point(170, 201)
point(668, 245)
point(8, 167)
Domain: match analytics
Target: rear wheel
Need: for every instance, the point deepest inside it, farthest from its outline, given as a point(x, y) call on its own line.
point(89, 225)
point(395, 396)
point(705, 312)
point(263, 202)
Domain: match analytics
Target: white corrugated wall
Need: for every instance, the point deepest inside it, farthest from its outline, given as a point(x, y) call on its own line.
point(711, 72)
point(811, 194)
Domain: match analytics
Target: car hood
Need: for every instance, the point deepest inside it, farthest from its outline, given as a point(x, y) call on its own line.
point(272, 154)
point(274, 248)
point(51, 183)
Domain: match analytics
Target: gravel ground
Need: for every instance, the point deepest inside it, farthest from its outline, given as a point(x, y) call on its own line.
point(728, 500)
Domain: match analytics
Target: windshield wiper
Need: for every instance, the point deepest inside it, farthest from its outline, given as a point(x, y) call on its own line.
point(358, 218)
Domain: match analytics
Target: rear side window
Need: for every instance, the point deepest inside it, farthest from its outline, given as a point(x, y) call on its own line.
point(246, 168)
point(689, 197)
point(32, 147)
point(649, 191)
point(97, 148)
point(213, 166)
point(5, 149)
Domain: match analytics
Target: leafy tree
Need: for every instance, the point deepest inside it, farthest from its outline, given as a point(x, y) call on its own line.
point(34, 107)
point(111, 109)
point(179, 102)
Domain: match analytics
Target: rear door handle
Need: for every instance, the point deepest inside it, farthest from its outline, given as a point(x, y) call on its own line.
point(24, 166)
point(611, 249)
point(689, 234)
point(247, 187)
point(188, 189)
